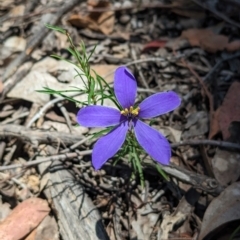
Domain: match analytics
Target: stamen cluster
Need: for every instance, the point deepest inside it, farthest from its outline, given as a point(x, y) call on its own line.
point(131, 112)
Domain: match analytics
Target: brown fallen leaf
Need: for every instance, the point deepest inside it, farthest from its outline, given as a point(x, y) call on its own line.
point(154, 45)
point(43, 72)
point(224, 165)
point(14, 13)
point(214, 124)
point(97, 21)
point(1, 86)
point(5, 209)
point(230, 109)
point(178, 220)
point(187, 8)
point(15, 44)
point(234, 130)
point(214, 43)
point(106, 71)
point(195, 36)
point(206, 39)
point(233, 46)
point(222, 210)
point(46, 230)
point(17, 11)
point(23, 219)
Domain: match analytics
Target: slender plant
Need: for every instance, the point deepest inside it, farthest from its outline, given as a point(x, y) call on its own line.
point(126, 133)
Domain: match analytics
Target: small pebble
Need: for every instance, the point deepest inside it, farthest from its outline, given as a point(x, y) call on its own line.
point(127, 4)
point(162, 52)
point(124, 19)
point(103, 172)
point(117, 5)
point(167, 76)
point(105, 215)
point(140, 24)
point(134, 23)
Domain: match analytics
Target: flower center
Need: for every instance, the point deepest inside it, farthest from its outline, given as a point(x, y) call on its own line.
point(130, 113)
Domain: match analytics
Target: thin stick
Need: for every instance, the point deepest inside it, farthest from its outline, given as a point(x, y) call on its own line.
point(207, 4)
point(207, 142)
point(66, 116)
point(43, 110)
point(38, 136)
point(77, 144)
point(27, 135)
point(156, 59)
point(46, 107)
point(65, 156)
point(60, 157)
point(209, 95)
point(218, 64)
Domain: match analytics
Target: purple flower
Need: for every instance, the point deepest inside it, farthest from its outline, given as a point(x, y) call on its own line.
point(125, 88)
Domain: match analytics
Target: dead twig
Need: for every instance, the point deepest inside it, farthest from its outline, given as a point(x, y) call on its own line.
point(207, 142)
point(25, 134)
point(66, 116)
point(137, 7)
point(205, 183)
point(198, 181)
point(43, 110)
point(77, 144)
point(217, 66)
point(209, 5)
point(154, 59)
point(48, 105)
point(208, 94)
point(60, 157)
point(38, 136)
point(142, 78)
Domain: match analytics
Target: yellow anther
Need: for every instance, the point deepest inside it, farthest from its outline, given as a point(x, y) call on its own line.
point(135, 111)
point(131, 111)
point(125, 112)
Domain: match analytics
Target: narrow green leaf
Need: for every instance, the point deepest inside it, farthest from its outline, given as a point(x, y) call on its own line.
point(164, 175)
point(55, 28)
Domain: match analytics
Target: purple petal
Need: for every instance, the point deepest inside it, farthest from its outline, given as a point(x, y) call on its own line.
point(125, 87)
point(154, 143)
point(158, 104)
point(99, 116)
point(108, 145)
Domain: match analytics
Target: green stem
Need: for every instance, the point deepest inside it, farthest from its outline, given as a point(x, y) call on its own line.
point(234, 233)
point(139, 166)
